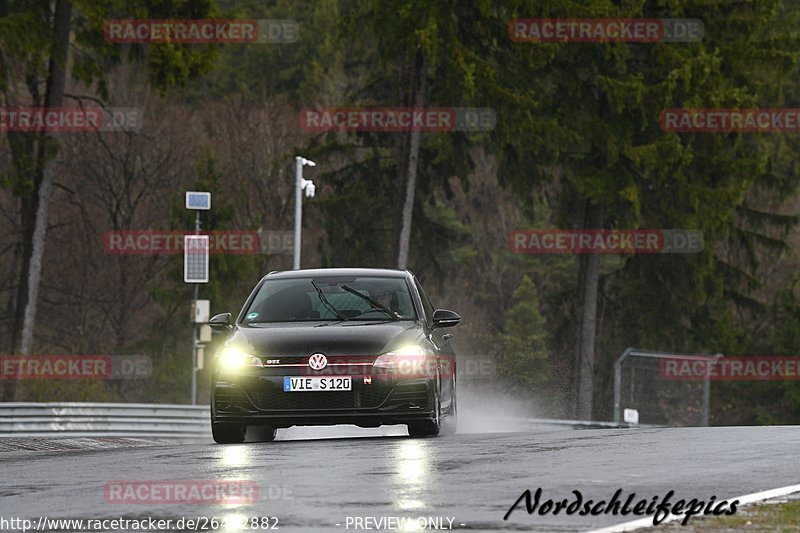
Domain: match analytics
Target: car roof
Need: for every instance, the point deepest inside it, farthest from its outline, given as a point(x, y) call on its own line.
point(322, 272)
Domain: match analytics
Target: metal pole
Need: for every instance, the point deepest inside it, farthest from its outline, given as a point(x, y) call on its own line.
point(706, 414)
point(706, 400)
point(298, 209)
point(194, 326)
point(618, 383)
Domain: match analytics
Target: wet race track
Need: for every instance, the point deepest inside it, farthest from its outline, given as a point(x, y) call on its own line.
point(346, 479)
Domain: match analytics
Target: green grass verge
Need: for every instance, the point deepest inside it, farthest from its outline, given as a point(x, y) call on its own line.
point(782, 517)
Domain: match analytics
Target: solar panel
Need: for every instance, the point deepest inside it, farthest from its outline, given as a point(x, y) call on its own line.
point(195, 258)
point(198, 200)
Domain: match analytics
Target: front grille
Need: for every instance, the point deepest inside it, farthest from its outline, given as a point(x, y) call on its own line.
point(250, 393)
point(273, 398)
point(373, 396)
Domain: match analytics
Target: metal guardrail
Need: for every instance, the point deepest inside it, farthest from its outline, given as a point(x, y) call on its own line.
point(77, 419)
point(575, 424)
point(22, 419)
point(634, 352)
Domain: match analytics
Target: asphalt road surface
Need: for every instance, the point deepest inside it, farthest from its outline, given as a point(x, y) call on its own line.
point(313, 484)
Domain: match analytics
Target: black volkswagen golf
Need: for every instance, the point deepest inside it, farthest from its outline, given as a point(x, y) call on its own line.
point(335, 346)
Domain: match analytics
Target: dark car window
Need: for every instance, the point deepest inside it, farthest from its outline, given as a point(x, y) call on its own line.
point(298, 300)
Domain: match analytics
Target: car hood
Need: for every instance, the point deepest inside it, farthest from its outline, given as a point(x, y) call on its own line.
point(346, 338)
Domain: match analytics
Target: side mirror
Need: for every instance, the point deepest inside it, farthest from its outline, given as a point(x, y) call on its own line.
point(220, 321)
point(444, 318)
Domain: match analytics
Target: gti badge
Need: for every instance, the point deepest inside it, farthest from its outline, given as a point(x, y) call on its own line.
point(317, 361)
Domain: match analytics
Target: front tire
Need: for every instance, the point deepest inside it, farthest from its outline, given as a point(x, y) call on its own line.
point(427, 428)
point(228, 433)
point(449, 424)
point(262, 433)
point(424, 429)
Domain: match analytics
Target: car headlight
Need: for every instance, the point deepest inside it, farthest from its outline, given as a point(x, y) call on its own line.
point(233, 358)
point(408, 361)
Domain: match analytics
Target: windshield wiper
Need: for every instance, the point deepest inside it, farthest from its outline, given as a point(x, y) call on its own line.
point(324, 300)
point(375, 305)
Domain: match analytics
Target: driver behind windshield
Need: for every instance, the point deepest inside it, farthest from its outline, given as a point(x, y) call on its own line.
point(384, 297)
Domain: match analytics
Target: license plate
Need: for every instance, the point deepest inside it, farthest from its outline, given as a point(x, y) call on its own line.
point(316, 384)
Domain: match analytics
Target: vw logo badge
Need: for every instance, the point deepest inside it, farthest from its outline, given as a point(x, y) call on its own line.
point(317, 361)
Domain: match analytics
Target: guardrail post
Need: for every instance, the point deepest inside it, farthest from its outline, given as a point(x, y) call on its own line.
point(618, 384)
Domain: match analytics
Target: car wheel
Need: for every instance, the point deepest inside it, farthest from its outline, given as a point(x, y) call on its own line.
point(427, 428)
point(262, 433)
point(450, 420)
point(228, 433)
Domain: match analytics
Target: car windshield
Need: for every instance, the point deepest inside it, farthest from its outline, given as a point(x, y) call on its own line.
point(310, 299)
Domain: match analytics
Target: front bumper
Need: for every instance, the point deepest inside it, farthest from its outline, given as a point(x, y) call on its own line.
point(260, 400)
